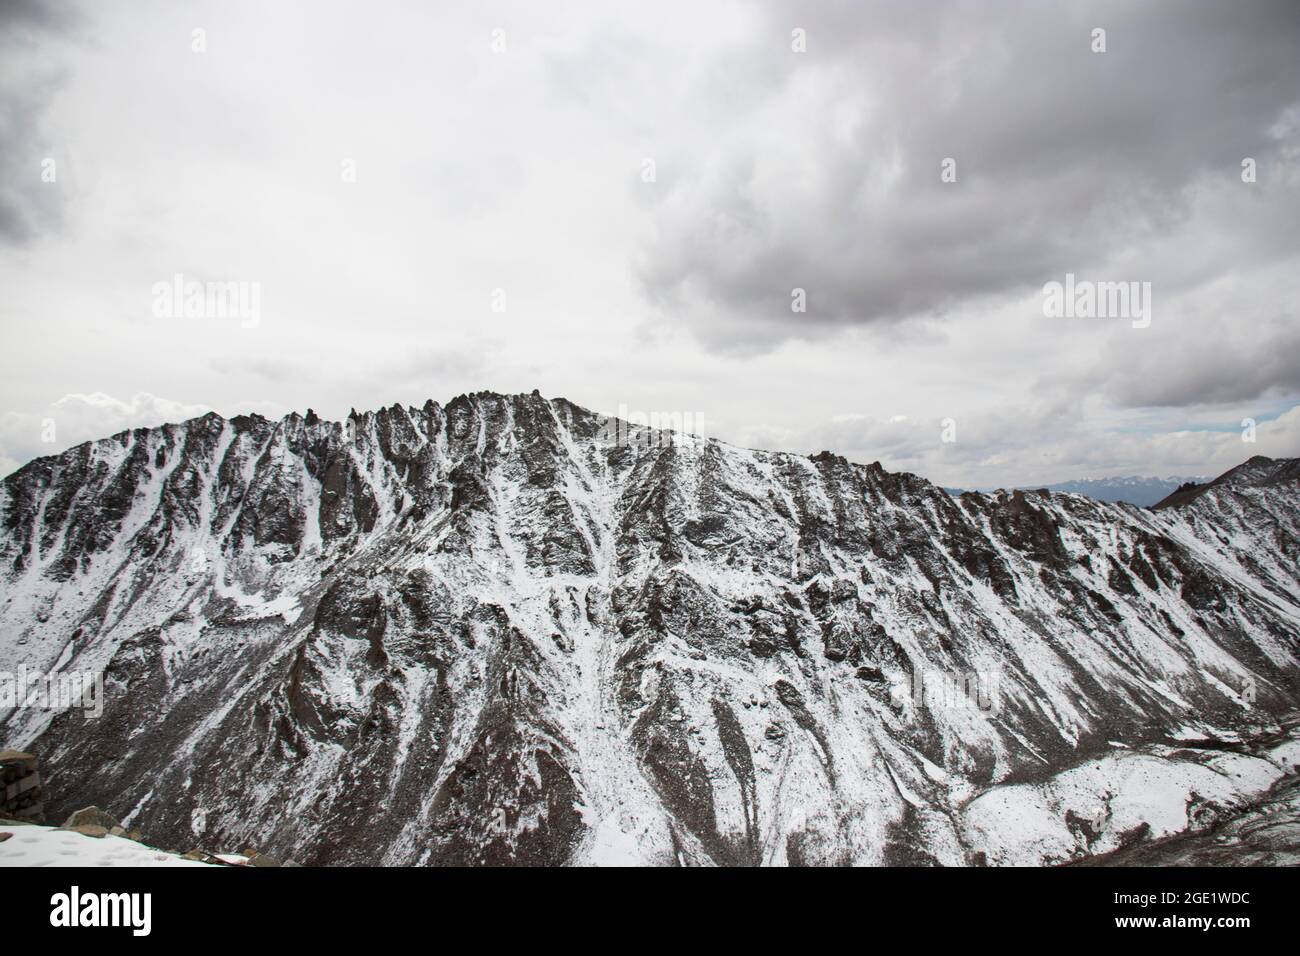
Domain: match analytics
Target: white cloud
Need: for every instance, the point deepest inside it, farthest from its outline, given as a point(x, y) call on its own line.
point(76, 418)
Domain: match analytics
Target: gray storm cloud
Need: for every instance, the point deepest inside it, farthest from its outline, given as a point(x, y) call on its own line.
point(27, 90)
point(1110, 164)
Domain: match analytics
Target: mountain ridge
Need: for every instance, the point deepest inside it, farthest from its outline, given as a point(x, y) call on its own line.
point(502, 630)
point(1258, 469)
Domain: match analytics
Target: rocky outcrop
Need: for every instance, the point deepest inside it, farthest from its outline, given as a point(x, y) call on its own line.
point(21, 795)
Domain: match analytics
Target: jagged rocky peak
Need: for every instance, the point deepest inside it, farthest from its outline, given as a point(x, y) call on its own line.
point(511, 630)
point(1257, 472)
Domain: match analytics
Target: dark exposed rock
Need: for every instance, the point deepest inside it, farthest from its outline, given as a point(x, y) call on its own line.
point(91, 816)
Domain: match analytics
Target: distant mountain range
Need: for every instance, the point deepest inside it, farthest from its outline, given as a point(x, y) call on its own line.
point(1135, 489)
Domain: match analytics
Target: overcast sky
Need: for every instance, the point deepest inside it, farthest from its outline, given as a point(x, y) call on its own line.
point(641, 187)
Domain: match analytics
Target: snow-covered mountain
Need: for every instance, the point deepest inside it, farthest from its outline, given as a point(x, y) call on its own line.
point(509, 630)
point(1134, 489)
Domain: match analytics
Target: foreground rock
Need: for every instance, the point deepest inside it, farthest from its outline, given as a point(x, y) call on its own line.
point(91, 816)
point(21, 794)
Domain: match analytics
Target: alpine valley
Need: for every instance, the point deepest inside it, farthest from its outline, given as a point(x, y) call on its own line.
point(509, 630)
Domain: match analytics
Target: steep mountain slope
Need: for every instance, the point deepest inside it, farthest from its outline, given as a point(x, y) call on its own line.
point(1257, 472)
point(511, 630)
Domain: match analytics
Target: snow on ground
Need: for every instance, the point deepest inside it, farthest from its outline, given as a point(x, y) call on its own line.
point(1096, 806)
point(1286, 755)
point(48, 846)
point(611, 846)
